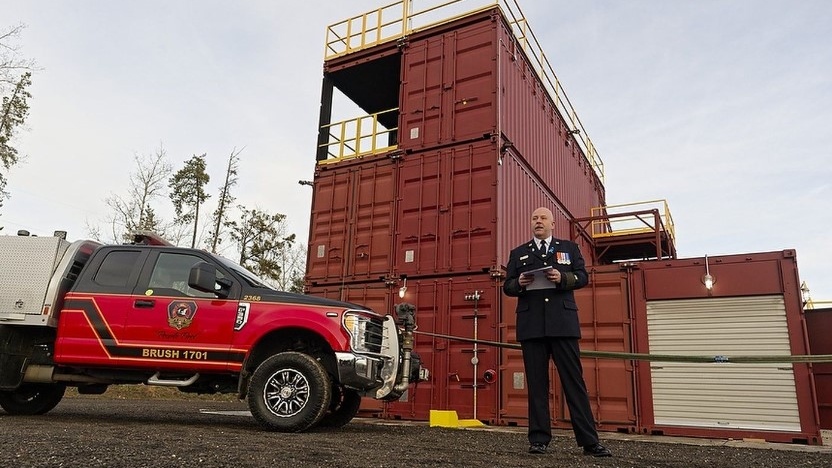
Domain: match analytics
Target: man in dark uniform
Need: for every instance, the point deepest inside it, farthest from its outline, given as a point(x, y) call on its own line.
point(543, 278)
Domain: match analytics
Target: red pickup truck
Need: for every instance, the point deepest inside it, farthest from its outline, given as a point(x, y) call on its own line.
point(88, 315)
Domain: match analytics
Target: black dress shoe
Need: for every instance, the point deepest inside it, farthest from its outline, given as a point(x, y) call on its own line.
point(537, 448)
point(597, 450)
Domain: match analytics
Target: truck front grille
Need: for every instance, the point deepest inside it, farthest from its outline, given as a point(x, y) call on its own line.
point(374, 335)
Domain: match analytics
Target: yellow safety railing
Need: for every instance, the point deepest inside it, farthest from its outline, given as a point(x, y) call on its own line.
point(399, 19)
point(632, 218)
point(811, 304)
point(358, 137)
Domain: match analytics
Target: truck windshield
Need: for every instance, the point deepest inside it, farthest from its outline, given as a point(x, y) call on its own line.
point(252, 279)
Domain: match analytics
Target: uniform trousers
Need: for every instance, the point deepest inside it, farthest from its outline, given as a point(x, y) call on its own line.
point(567, 357)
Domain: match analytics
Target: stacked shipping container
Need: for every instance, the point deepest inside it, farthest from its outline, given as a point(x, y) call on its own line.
point(478, 144)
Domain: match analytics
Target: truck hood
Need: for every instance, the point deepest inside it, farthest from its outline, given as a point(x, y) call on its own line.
point(293, 298)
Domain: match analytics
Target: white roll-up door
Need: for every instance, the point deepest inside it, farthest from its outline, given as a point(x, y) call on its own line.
point(722, 395)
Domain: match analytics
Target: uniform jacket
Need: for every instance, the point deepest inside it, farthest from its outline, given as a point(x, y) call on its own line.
point(547, 312)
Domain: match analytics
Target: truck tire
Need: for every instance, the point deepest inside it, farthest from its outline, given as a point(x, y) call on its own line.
point(343, 407)
point(32, 399)
point(289, 392)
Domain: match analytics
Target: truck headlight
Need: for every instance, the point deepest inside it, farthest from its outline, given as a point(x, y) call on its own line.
point(364, 331)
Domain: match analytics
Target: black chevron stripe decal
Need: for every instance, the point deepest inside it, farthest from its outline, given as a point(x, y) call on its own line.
point(168, 353)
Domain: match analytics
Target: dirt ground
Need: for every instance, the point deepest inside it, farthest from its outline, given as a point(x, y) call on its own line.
point(105, 432)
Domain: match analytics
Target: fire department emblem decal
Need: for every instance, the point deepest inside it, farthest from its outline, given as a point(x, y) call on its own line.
point(181, 314)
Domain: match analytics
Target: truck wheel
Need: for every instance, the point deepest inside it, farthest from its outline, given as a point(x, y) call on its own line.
point(289, 392)
point(31, 399)
point(343, 407)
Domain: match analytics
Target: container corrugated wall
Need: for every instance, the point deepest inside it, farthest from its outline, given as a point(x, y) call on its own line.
point(819, 328)
point(469, 80)
point(521, 192)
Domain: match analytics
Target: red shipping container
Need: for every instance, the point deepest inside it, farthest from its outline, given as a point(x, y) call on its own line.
point(453, 210)
point(465, 86)
point(463, 208)
point(754, 309)
point(448, 84)
point(470, 79)
point(350, 229)
point(605, 326)
point(819, 328)
point(458, 381)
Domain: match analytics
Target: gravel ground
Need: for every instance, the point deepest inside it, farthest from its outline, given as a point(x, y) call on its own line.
point(102, 432)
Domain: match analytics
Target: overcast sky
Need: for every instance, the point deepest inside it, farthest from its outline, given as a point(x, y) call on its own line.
point(722, 107)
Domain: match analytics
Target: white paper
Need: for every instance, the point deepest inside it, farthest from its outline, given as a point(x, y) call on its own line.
point(540, 280)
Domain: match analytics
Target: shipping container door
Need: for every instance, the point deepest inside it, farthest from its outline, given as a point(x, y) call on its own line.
point(460, 371)
point(447, 211)
point(606, 326)
point(727, 395)
point(352, 220)
point(448, 86)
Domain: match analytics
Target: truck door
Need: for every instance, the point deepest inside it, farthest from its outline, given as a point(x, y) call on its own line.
point(176, 327)
point(91, 322)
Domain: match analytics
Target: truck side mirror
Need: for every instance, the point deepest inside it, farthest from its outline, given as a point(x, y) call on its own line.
point(203, 277)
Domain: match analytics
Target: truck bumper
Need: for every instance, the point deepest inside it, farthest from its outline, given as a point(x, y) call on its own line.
point(359, 372)
point(375, 374)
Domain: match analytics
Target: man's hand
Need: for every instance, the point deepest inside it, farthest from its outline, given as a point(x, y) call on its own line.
point(525, 280)
point(553, 275)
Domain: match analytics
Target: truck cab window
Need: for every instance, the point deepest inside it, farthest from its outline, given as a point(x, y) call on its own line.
point(116, 268)
point(170, 275)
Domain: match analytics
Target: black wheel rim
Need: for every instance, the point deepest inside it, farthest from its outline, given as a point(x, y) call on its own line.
point(286, 393)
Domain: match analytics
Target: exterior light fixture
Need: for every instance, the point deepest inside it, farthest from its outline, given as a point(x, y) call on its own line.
point(403, 289)
point(708, 279)
point(804, 293)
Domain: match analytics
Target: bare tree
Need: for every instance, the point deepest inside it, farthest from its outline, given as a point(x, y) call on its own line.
point(15, 79)
point(12, 65)
point(292, 261)
point(135, 211)
point(224, 201)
